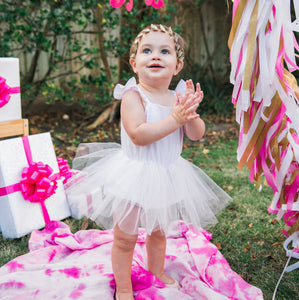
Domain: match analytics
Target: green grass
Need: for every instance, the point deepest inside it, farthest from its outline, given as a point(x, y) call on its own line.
point(250, 238)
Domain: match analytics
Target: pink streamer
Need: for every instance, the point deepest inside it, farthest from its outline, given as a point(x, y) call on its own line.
point(279, 66)
point(271, 172)
point(290, 217)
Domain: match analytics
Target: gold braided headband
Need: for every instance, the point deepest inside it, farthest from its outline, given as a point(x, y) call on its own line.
point(178, 41)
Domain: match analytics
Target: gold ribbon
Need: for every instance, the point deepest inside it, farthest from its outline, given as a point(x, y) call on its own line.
point(276, 103)
point(295, 227)
point(292, 81)
point(236, 22)
point(260, 132)
point(250, 47)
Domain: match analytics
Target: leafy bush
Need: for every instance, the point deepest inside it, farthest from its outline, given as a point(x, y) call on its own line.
point(77, 50)
point(65, 31)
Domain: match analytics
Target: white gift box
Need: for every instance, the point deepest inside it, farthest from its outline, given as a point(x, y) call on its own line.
point(81, 205)
point(9, 70)
point(18, 216)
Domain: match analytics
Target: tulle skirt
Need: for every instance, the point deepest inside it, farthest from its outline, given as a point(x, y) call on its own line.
point(112, 188)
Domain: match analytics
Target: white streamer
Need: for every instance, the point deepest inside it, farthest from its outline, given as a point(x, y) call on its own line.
point(240, 39)
point(294, 239)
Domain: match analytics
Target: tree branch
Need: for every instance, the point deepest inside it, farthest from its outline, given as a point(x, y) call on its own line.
point(101, 44)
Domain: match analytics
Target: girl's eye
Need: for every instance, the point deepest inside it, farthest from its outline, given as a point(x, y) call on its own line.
point(147, 51)
point(165, 51)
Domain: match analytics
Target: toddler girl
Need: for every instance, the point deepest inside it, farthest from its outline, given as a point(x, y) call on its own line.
point(145, 180)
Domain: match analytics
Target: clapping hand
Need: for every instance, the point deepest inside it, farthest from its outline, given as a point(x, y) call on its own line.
point(185, 106)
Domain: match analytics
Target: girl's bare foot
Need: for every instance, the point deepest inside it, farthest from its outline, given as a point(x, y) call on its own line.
point(124, 296)
point(168, 281)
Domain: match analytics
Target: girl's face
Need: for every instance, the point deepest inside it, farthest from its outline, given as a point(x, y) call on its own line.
point(156, 58)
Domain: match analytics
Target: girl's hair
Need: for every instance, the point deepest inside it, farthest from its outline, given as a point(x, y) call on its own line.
point(178, 40)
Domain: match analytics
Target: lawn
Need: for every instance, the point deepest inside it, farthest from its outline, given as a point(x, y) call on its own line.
point(247, 235)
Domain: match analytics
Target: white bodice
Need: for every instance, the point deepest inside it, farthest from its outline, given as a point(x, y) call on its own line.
point(162, 152)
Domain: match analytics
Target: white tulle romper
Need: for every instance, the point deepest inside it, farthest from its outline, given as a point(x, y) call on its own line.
point(150, 186)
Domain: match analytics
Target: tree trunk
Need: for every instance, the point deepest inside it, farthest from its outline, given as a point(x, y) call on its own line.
point(101, 43)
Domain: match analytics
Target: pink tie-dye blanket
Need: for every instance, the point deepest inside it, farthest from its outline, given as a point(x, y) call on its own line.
point(62, 265)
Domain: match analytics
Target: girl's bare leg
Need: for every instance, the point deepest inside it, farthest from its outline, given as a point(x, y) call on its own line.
point(156, 248)
point(122, 256)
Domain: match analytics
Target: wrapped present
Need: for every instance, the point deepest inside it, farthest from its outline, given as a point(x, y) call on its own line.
point(81, 205)
point(31, 188)
point(10, 97)
point(84, 207)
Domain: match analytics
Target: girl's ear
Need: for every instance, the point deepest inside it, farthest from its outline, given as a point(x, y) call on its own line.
point(179, 67)
point(133, 64)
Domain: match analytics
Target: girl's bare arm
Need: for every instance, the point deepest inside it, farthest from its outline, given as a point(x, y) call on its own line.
point(194, 129)
point(142, 133)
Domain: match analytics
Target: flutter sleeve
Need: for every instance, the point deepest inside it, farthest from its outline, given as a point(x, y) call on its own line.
point(120, 89)
point(181, 87)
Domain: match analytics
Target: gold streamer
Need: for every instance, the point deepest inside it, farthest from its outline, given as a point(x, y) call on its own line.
point(250, 47)
point(292, 81)
point(257, 133)
point(260, 140)
point(282, 197)
point(258, 177)
point(275, 146)
point(295, 227)
point(236, 22)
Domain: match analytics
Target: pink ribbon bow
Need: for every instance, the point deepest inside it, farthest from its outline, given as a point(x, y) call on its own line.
point(37, 184)
point(64, 169)
point(6, 91)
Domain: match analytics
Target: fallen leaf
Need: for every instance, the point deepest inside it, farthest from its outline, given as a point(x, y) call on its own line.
point(230, 187)
point(276, 244)
point(268, 256)
point(205, 151)
point(250, 225)
point(218, 245)
point(215, 166)
point(231, 209)
point(84, 224)
point(273, 221)
point(246, 248)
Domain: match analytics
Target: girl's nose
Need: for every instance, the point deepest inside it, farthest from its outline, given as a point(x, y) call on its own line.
point(156, 55)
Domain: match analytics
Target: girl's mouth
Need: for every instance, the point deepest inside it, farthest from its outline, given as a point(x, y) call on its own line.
point(155, 67)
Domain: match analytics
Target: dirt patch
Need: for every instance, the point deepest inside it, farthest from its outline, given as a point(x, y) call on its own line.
point(68, 127)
